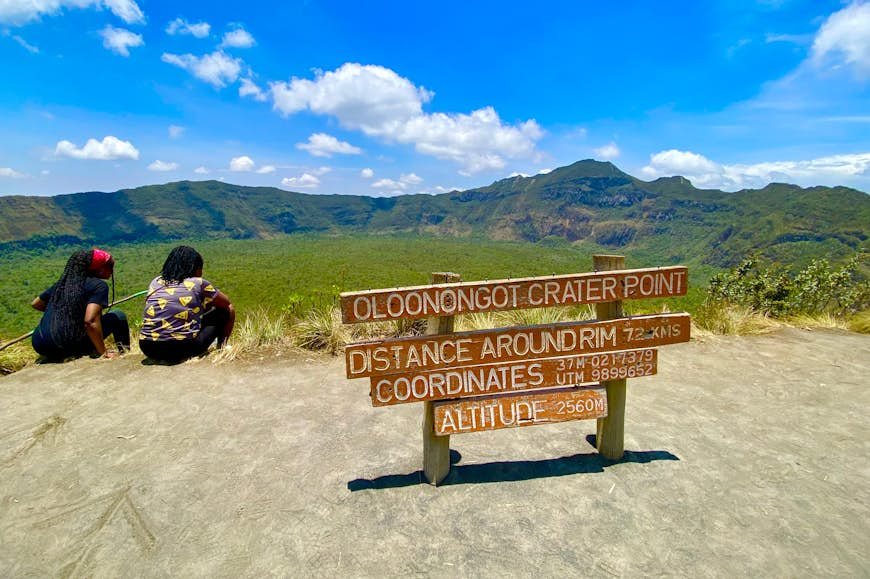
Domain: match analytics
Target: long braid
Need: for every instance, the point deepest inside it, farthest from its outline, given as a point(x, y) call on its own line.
point(182, 263)
point(112, 302)
point(68, 304)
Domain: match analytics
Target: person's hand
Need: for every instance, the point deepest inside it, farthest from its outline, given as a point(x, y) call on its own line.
point(110, 354)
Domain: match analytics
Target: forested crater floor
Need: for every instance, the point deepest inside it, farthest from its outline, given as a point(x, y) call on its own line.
point(745, 456)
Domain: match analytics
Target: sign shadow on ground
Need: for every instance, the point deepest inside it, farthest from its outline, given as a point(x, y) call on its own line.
point(512, 471)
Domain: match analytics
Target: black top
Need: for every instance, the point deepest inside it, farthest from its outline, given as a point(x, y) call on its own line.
point(96, 292)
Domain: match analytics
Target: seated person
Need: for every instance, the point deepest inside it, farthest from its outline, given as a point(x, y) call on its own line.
point(73, 322)
point(184, 313)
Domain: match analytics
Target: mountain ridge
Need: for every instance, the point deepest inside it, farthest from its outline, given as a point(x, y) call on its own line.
point(586, 202)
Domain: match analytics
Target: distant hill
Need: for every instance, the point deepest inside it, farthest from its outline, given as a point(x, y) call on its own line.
point(588, 201)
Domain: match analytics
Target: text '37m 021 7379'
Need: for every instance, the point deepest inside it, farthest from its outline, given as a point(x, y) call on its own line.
point(516, 376)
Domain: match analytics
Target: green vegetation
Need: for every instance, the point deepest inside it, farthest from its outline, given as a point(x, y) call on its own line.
point(290, 285)
point(588, 203)
point(294, 274)
point(817, 289)
point(746, 298)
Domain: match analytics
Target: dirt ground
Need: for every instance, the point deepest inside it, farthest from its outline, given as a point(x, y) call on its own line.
point(746, 456)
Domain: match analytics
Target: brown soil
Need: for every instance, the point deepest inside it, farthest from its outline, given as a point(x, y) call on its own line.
point(746, 456)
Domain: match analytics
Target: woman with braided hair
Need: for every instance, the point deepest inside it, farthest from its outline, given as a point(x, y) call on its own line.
point(184, 313)
point(73, 322)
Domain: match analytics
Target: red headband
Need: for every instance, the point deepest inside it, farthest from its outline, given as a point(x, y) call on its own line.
point(100, 259)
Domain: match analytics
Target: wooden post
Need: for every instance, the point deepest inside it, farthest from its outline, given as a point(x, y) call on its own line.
point(436, 449)
point(610, 437)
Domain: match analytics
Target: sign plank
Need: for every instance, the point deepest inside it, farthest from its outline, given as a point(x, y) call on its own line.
point(380, 357)
point(511, 376)
point(511, 294)
point(507, 411)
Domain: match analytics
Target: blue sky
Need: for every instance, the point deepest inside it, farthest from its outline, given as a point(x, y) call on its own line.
point(383, 98)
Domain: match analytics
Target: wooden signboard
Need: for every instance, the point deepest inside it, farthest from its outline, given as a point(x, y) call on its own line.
point(511, 376)
point(375, 358)
point(507, 411)
point(515, 376)
point(511, 294)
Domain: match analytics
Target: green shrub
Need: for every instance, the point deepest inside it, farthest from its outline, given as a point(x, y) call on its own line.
point(770, 290)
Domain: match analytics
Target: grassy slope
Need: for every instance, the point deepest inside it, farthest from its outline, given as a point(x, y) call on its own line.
point(264, 273)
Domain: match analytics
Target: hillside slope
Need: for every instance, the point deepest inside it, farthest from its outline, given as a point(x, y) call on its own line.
point(588, 201)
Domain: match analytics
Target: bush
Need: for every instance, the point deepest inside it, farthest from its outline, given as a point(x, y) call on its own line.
point(770, 290)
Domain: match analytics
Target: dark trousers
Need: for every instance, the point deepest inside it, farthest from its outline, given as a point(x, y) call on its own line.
point(211, 324)
point(114, 324)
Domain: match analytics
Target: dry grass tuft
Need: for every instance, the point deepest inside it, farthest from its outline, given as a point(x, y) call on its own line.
point(527, 317)
point(386, 329)
point(730, 320)
point(860, 322)
point(16, 357)
point(534, 316)
point(321, 329)
point(258, 329)
point(481, 321)
point(819, 321)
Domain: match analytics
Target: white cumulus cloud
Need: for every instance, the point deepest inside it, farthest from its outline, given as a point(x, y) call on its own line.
point(608, 152)
point(120, 40)
point(844, 38)
point(323, 145)
point(242, 164)
point(366, 173)
point(266, 169)
point(175, 131)
point(182, 26)
point(388, 184)
point(704, 173)
point(216, 68)
point(361, 97)
point(478, 141)
point(201, 170)
point(306, 181)
point(18, 12)
point(396, 187)
point(250, 88)
point(108, 149)
point(161, 166)
point(11, 173)
point(126, 10)
point(380, 103)
point(238, 38)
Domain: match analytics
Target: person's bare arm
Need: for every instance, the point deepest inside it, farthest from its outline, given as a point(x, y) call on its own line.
point(221, 301)
point(94, 329)
point(38, 304)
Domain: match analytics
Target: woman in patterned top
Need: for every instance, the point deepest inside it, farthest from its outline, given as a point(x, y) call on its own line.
point(184, 313)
